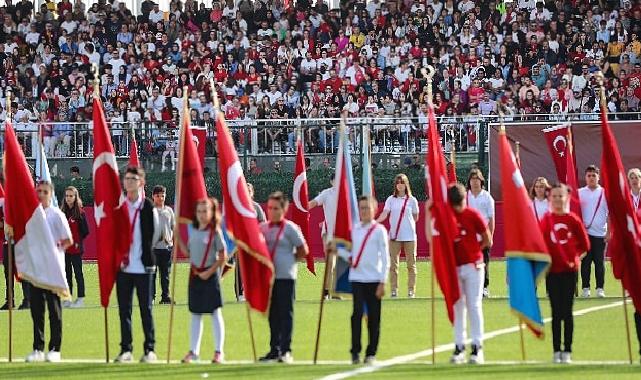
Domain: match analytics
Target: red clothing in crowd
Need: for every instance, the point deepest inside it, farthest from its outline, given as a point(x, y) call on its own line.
point(466, 245)
point(566, 240)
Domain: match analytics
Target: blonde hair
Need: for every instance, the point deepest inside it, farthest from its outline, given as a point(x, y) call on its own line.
point(635, 171)
point(406, 181)
point(545, 182)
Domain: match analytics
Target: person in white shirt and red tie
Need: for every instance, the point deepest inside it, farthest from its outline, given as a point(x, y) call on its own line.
point(369, 268)
point(480, 199)
point(595, 219)
point(402, 210)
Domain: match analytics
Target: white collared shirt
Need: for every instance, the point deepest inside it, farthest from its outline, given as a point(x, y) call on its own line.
point(483, 203)
point(58, 225)
point(589, 200)
point(407, 227)
point(541, 207)
point(373, 265)
point(327, 198)
point(135, 251)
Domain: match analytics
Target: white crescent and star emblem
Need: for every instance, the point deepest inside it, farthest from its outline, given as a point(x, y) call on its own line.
point(298, 183)
point(99, 213)
point(234, 174)
point(560, 227)
point(560, 138)
point(109, 159)
point(517, 178)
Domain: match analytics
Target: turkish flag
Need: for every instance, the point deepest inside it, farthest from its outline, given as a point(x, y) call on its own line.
point(113, 228)
point(444, 229)
point(624, 245)
point(134, 162)
point(38, 258)
point(451, 169)
point(189, 178)
point(561, 145)
point(300, 198)
point(525, 249)
point(256, 267)
point(199, 137)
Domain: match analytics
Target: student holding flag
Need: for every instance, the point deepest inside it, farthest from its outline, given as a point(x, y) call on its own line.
point(539, 193)
point(567, 240)
point(286, 245)
point(57, 223)
point(594, 209)
point(72, 208)
point(470, 270)
point(402, 209)
point(207, 255)
point(369, 267)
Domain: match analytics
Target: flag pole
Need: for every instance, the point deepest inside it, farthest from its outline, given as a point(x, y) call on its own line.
point(341, 129)
point(523, 357)
point(10, 287)
point(174, 254)
point(429, 76)
point(604, 108)
point(214, 96)
point(96, 94)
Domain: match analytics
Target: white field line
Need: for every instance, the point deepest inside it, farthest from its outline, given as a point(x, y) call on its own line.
point(447, 347)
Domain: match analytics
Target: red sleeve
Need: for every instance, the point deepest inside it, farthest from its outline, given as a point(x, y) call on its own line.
point(582, 240)
point(479, 224)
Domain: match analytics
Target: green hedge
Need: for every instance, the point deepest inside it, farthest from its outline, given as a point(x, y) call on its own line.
point(266, 183)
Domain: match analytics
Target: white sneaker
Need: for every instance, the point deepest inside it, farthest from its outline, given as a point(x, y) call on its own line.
point(556, 359)
point(241, 298)
point(486, 293)
point(586, 293)
point(410, 294)
point(600, 293)
point(80, 302)
point(566, 357)
point(124, 357)
point(286, 358)
point(477, 357)
point(53, 356)
point(35, 357)
point(66, 304)
point(458, 357)
point(149, 357)
point(394, 293)
point(370, 360)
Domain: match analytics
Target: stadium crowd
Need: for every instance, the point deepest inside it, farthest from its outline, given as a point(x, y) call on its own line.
point(302, 60)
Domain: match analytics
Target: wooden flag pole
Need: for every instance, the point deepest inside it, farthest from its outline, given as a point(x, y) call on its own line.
point(627, 323)
point(523, 357)
point(214, 96)
point(96, 94)
point(174, 254)
point(10, 297)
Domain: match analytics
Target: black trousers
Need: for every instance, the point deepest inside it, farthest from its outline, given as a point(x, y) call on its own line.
point(637, 323)
point(561, 290)
point(40, 297)
point(281, 315)
point(163, 261)
point(73, 265)
point(595, 255)
point(365, 293)
point(486, 260)
point(125, 285)
point(10, 283)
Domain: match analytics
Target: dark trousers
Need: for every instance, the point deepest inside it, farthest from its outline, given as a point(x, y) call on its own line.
point(486, 260)
point(163, 261)
point(238, 281)
point(281, 315)
point(10, 283)
point(125, 285)
point(561, 290)
point(73, 265)
point(364, 294)
point(637, 323)
point(595, 255)
point(40, 297)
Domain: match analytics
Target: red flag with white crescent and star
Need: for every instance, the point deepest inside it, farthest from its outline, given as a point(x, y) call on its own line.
point(256, 267)
point(624, 246)
point(113, 228)
point(134, 162)
point(561, 145)
point(300, 198)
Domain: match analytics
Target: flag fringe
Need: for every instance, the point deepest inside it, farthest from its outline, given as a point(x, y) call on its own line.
point(538, 329)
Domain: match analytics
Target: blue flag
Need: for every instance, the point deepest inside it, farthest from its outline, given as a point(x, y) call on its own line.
point(42, 170)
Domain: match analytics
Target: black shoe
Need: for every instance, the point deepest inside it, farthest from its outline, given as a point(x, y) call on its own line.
point(271, 357)
point(6, 306)
point(24, 306)
point(355, 359)
point(166, 301)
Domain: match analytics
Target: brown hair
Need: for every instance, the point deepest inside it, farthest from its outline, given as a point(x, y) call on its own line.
point(406, 181)
point(545, 182)
point(478, 174)
point(279, 197)
point(74, 211)
point(215, 208)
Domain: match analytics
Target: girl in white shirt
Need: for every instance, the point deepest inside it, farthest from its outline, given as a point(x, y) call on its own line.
point(539, 193)
point(402, 209)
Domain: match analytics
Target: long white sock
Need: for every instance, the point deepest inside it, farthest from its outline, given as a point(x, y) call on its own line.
point(196, 332)
point(218, 328)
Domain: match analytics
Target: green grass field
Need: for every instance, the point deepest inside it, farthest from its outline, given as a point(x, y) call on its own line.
point(599, 340)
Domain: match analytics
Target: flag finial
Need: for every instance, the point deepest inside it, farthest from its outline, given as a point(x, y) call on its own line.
point(501, 116)
point(9, 104)
point(428, 73)
point(601, 81)
point(214, 94)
